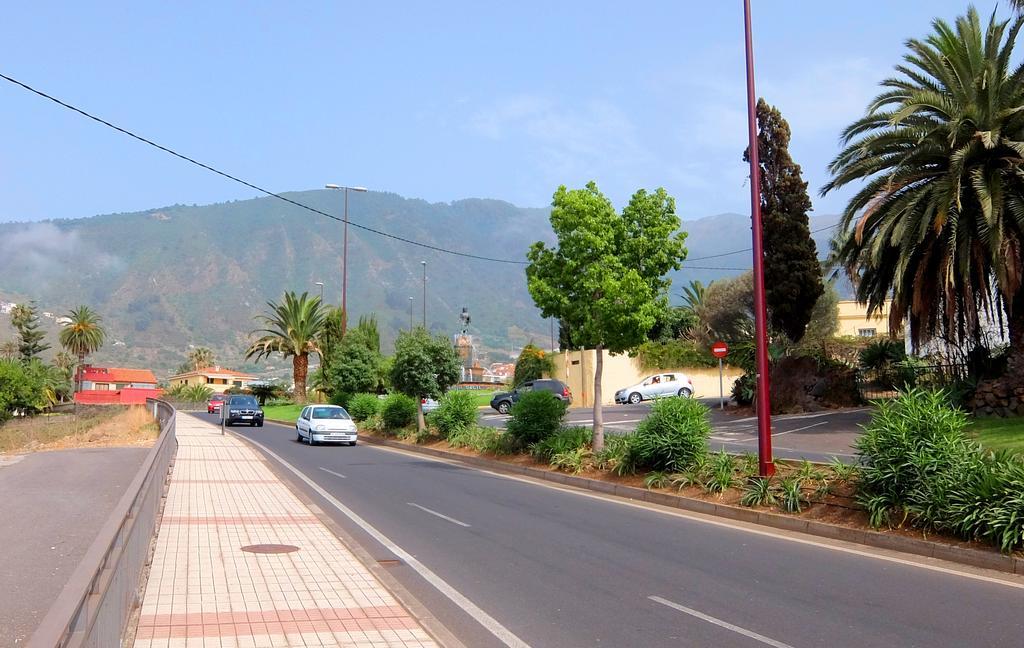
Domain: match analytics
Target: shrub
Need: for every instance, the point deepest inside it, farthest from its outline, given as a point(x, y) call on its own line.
point(482, 439)
point(744, 389)
point(673, 437)
point(565, 440)
point(363, 406)
point(398, 411)
point(792, 495)
point(531, 365)
point(760, 491)
point(721, 474)
point(917, 463)
point(573, 461)
point(456, 410)
point(616, 450)
point(536, 416)
point(673, 354)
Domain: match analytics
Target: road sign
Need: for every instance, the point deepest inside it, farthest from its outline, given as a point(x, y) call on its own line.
point(719, 349)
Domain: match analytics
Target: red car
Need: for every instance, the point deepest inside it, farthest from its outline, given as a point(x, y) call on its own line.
point(213, 405)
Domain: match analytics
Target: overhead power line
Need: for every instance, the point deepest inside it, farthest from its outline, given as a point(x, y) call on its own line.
point(314, 210)
point(250, 184)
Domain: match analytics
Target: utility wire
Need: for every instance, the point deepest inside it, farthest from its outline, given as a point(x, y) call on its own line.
point(249, 184)
point(725, 254)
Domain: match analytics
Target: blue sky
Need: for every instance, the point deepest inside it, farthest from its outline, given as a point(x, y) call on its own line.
point(439, 101)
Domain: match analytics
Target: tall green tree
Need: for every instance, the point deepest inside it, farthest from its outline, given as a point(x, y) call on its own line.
point(292, 329)
point(531, 364)
point(82, 337)
point(792, 272)
point(424, 366)
point(938, 221)
point(25, 318)
point(606, 278)
point(331, 334)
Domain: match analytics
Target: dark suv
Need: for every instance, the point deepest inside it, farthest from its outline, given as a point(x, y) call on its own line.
point(242, 409)
point(503, 401)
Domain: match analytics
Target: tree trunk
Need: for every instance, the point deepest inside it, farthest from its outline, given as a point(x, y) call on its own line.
point(421, 424)
point(1004, 395)
point(78, 372)
point(1015, 354)
point(597, 441)
point(300, 367)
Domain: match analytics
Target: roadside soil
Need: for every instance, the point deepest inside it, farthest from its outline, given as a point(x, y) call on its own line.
point(91, 428)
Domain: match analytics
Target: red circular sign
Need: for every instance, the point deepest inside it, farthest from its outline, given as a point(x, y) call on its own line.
point(719, 349)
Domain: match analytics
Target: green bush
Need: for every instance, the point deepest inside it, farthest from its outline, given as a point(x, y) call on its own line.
point(743, 390)
point(672, 438)
point(398, 411)
point(456, 410)
point(565, 440)
point(482, 439)
point(918, 466)
point(673, 354)
point(363, 406)
point(536, 416)
point(20, 390)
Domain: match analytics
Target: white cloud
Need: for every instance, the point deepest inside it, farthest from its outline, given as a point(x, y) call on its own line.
point(571, 140)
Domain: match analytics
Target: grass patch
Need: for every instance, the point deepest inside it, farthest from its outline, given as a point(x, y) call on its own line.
point(999, 433)
point(481, 398)
point(288, 412)
point(90, 428)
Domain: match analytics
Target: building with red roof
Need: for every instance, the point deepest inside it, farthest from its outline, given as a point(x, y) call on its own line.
point(216, 378)
point(115, 386)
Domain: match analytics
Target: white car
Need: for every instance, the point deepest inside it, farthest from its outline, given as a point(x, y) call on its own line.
point(429, 405)
point(325, 424)
point(659, 386)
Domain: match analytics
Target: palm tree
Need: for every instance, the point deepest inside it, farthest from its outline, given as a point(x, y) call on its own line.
point(292, 330)
point(9, 350)
point(200, 357)
point(939, 221)
point(82, 336)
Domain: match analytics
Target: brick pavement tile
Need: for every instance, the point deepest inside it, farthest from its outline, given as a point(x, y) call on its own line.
point(204, 591)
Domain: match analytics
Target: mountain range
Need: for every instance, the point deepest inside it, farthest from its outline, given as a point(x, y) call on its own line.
point(170, 278)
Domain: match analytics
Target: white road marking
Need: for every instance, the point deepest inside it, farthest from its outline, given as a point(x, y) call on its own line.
point(800, 429)
point(440, 515)
point(503, 634)
point(710, 520)
point(718, 622)
point(336, 474)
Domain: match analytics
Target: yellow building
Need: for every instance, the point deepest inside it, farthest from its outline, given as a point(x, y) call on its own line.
point(576, 370)
point(854, 321)
point(216, 378)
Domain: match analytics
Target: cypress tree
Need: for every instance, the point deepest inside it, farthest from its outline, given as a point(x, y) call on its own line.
point(792, 272)
point(25, 319)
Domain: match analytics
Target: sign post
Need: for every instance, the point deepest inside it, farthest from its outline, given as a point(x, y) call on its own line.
point(720, 350)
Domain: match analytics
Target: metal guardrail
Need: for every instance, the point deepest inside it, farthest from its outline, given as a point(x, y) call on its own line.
point(93, 609)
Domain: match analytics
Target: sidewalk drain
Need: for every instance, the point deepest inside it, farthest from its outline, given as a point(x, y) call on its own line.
point(270, 548)
point(389, 562)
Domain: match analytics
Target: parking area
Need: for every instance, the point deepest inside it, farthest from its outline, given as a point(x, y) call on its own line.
point(817, 436)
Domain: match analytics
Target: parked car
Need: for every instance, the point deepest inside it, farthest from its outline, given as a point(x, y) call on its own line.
point(325, 424)
point(213, 405)
point(503, 401)
point(661, 385)
point(243, 409)
point(429, 405)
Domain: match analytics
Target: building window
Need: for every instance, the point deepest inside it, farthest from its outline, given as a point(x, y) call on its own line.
point(209, 381)
point(867, 332)
point(237, 383)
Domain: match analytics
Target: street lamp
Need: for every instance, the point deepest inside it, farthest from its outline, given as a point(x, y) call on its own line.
point(764, 413)
point(344, 254)
point(321, 284)
point(424, 294)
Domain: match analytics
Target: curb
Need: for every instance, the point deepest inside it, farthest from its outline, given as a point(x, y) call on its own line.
point(878, 539)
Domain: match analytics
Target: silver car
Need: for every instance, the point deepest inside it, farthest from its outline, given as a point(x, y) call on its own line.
point(325, 424)
point(658, 386)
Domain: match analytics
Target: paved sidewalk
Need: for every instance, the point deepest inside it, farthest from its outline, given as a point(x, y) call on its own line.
point(204, 591)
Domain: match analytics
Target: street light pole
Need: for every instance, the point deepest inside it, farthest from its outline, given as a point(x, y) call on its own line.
point(424, 294)
point(321, 284)
point(410, 313)
point(764, 421)
point(344, 255)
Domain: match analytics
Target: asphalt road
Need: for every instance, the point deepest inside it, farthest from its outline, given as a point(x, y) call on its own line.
point(555, 567)
point(819, 436)
point(52, 505)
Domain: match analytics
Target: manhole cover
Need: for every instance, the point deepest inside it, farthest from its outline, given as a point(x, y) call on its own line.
point(270, 548)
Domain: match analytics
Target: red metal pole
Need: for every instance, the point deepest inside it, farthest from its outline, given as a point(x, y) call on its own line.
point(764, 416)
